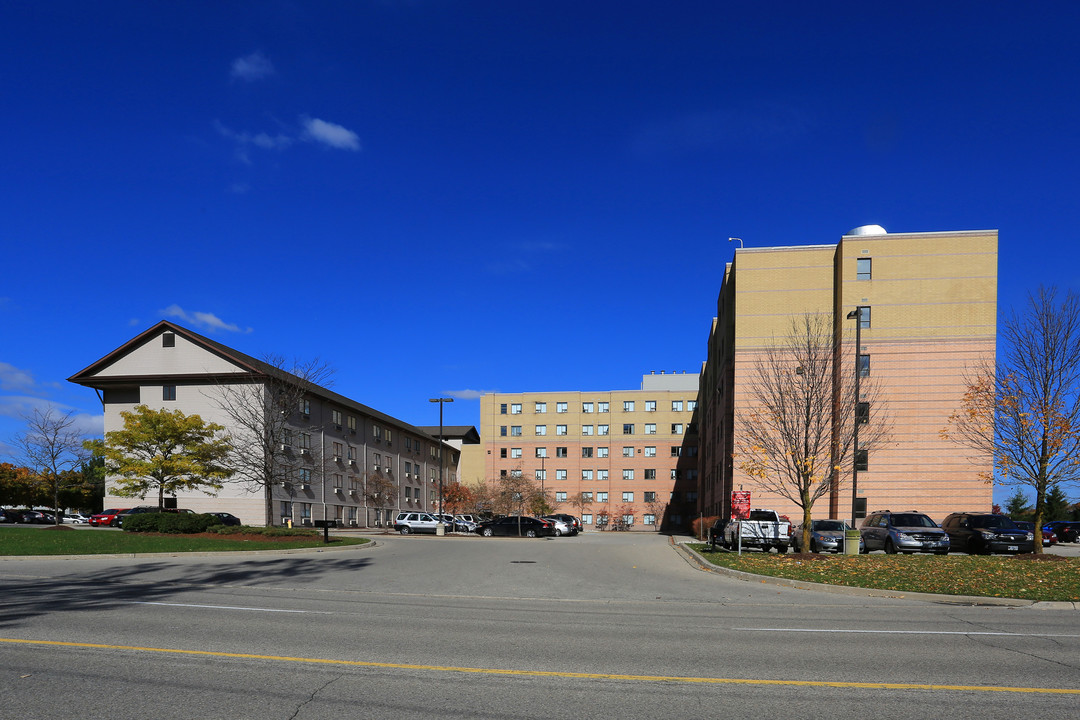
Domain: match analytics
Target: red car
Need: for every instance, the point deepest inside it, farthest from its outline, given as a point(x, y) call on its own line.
point(106, 518)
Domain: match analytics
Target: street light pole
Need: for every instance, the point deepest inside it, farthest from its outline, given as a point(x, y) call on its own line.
point(856, 315)
point(441, 401)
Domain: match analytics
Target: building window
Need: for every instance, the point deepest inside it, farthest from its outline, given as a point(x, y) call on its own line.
point(515, 408)
point(628, 452)
point(676, 428)
point(305, 511)
point(601, 452)
point(286, 510)
point(305, 441)
point(586, 429)
point(502, 431)
point(602, 407)
point(648, 519)
point(862, 412)
point(628, 520)
point(541, 429)
point(586, 518)
point(602, 429)
point(541, 407)
point(863, 269)
point(560, 474)
point(628, 429)
point(560, 496)
point(862, 458)
point(864, 366)
point(676, 406)
point(676, 451)
point(650, 406)
point(560, 429)
point(691, 405)
point(586, 474)
point(586, 497)
point(336, 416)
point(560, 452)
point(168, 340)
point(305, 476)
point(627, 474)
point(628, 497)
point(691, 450)
point(305, 408)
point(601, 497)
point(650, 451)
point(502, 408)
point(541, 452)
point(586, 407)
point(650, 496)
point(560, 407)
point(601, 474)
point(628, 406)
point(691, 495)
point(586, 452)
point(864, 316)
point(339, 450)
point(376, 432)
point(650, 474)
point(352, 428)
point(541, 474)
point(650, 428)
point(502, 452)
point(168, 392)
point(515, 453)
point(515, 431)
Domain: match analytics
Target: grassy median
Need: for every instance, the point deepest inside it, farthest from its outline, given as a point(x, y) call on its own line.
point(1028, 577)
point(49, 541)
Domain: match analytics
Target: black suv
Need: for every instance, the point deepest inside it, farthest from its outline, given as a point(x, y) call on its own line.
point(986, 533)
point(906, 532)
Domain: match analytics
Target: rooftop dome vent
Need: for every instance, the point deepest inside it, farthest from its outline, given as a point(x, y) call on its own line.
point(868, 230)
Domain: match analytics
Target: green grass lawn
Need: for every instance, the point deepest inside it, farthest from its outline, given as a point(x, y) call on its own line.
point(25, 541)
point(994, 576)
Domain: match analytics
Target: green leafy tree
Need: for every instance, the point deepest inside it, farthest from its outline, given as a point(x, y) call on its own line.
point(1024, 410)
point(1017, 506)
point(52, 447)
point(164, 451)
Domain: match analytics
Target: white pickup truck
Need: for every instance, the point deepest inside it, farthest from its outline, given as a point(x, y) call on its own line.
point(763, 529)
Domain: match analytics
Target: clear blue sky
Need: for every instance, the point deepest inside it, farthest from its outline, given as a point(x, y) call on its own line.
point(443, 198)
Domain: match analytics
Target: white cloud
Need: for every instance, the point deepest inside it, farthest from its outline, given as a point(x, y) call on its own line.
point(330, 134)
point(19, 406)
point(262, 140)
point(468, 394)
point(201, 320)
point(12, 378)
point(255, 66)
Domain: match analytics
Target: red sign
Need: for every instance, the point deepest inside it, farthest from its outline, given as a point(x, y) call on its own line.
point(740, 504)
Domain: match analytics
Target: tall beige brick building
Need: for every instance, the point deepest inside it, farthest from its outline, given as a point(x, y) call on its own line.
point(929, 312)
point(633, 452)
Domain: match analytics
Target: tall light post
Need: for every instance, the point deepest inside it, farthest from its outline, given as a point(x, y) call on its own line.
point(734, 239)
point(440, 401)
point(856, 315)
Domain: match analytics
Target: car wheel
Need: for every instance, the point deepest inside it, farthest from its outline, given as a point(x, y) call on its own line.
point(558, 532)
point(782, 549)
point(889, 547)
point(814, 547)
point(487, 532)
point(530, 533)
point(404, 530)
point(115, 523)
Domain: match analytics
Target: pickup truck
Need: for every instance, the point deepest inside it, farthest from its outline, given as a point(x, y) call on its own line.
point(763, 529)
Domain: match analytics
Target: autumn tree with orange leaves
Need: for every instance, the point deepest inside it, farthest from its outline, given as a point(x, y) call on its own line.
point(1024, 410)
point(796, 439)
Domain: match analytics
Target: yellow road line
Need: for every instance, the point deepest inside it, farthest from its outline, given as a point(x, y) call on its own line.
point(548, 673)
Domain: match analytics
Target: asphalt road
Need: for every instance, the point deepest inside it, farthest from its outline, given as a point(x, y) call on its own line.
point(599, 626)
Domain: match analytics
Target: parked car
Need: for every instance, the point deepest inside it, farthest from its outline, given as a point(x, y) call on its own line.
point(517, 525)
point(10, 516)
point(986, 533)
point(561, 528)
point(36, 517)
point(763, 529)
point(825, 536)
point(76, 519)
point(411, 522)
point(906, 532)
point(226, 518)
point(106, 518)
point(1066, 531)
point(571, 521)
point(1048, 536)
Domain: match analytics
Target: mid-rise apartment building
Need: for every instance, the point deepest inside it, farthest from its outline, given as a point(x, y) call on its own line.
point(330, 445)
point(927, 309)
point(633, 453)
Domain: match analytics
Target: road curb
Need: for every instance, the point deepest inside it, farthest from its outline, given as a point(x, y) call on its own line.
point(216, 553)
point(695, 557)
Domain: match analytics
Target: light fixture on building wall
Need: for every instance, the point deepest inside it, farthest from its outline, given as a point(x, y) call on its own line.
point(856, 315)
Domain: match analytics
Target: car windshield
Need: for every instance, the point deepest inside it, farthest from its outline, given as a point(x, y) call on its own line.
point(912, 520)
point(993, 521)
point(830, 525)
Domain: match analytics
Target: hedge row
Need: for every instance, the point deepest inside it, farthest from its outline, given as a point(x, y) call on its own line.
point(167, 522)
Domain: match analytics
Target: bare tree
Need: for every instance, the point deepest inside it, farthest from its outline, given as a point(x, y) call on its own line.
point(52, 448)
point(1024, 411)
point(580, 501)
point(799, 431)
point(267, 422)
point(380, 492)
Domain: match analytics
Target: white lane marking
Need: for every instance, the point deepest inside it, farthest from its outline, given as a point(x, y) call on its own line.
point(907, 632)
point(232, 607)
